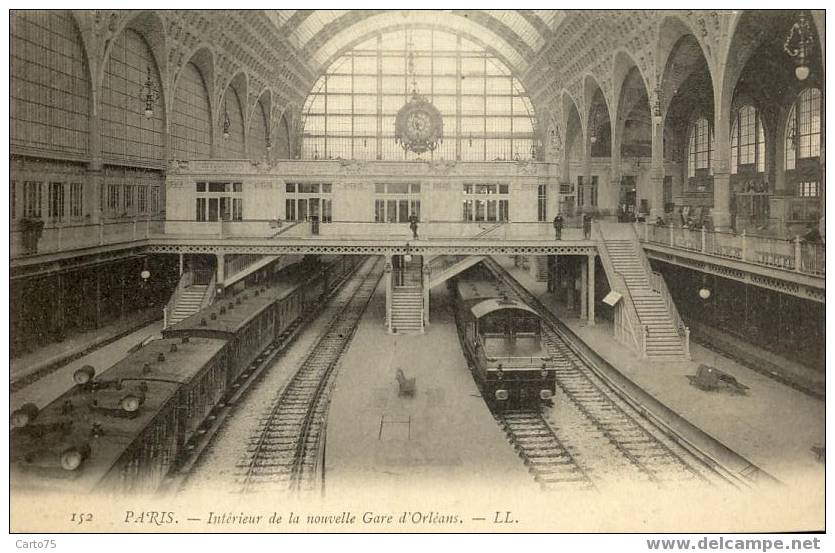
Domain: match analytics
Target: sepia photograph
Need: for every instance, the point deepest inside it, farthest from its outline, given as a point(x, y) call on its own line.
point(417, 271)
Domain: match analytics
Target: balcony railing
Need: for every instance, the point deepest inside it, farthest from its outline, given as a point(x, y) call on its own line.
point(427, 230)
point(792, 254)
point(31, 238)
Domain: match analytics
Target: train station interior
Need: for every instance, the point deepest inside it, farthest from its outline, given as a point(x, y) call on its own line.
point(578, 249)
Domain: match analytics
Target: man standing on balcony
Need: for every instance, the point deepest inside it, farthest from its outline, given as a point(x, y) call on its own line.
point(413, 224)
point(587, 226)
point(558, 227)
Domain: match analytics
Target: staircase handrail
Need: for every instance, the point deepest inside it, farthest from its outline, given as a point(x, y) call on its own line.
point(186, 280)
point(210, 293)
point(240, 263)
point(617, 281)
point(285, 227)
point(658, 285)
point(488, 230)
point(446, 261)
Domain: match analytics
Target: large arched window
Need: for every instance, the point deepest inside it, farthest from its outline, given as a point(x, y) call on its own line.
point(803, 129)
point(747, 141)
point(350, 112)
point(700, 156)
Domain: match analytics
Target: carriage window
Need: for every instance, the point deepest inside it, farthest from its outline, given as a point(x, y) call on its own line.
point(526, 325)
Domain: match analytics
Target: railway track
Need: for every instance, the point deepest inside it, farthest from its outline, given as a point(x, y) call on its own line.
point(644, 447)
point(548, 460)
point(283, 453)
point(246, 381)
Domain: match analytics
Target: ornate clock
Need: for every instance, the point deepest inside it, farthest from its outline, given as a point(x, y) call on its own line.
point(418, 126)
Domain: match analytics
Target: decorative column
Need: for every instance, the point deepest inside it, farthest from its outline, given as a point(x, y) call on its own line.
point(565, 175)
point(616, 169)
point(656, 175)
point(584, 285)
point(721, 211)
point(590, 265)
point(586, 176)
point(220, 270)
point(181, 264)
point(387, 276)
point(427, 272)
point(572, 285)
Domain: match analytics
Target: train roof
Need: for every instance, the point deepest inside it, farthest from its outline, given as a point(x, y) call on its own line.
point(238, 310)
point(486, 307)
point(69, 420)
point(169, 358)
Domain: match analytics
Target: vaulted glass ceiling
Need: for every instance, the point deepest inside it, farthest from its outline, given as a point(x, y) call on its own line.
point(514, 35)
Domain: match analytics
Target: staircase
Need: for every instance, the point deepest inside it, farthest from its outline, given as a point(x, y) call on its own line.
point(406, 310)
point(240, 266)
point(444, 267)
point(541, 268)
point(657, 319)
point(188, 303)
point(195, 291)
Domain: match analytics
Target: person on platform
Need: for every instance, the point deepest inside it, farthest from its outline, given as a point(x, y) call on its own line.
point(558, 227)
point(587, 226)
point(812, 235)
point(413, 224)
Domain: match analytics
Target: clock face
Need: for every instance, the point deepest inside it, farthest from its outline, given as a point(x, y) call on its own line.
point(419, 125)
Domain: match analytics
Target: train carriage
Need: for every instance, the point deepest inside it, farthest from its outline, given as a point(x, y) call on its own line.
point(247, 321)
point(124, 429)
point(503, 339)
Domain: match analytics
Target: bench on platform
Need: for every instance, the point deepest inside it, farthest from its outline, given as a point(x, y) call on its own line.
point(407, 385)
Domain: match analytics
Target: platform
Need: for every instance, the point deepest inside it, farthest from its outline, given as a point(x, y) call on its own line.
point(48, 387)
point(27, 368)
point(52, 384)
point(773, 425)
point(443, 438)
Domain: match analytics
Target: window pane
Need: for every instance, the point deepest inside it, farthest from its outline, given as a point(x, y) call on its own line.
point(452, 72)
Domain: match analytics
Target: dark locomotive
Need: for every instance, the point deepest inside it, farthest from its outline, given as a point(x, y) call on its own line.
point(125, 429)
point(503, 341)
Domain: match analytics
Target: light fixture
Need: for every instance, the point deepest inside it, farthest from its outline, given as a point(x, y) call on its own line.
point(24, 415)
point(269, 145)
point(408, 257)
point(74, 456)
point(145, 273)
point(227, 124)
point(150, 94)
point(704, 291)
point(799, 44)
